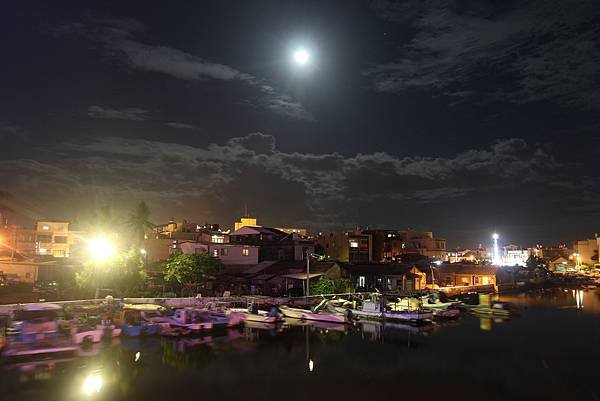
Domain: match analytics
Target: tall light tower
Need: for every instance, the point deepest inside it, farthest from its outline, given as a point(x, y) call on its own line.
point(496, 257)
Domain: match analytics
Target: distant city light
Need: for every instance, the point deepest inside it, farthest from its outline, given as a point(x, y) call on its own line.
point(301, 56)
point(311, 365)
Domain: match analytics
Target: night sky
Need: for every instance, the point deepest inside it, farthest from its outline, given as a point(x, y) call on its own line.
point(452, 116)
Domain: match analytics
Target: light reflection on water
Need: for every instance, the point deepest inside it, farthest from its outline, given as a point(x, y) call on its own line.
point(529, 357)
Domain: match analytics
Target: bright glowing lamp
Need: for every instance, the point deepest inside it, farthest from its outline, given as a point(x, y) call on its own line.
point(101, 248)
point(301, 56)
point(495, 236)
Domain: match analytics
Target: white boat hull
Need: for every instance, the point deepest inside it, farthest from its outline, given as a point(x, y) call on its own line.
point(302, 314)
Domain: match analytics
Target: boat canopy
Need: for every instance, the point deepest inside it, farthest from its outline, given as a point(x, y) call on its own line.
point(301, 276)
point(41, 307)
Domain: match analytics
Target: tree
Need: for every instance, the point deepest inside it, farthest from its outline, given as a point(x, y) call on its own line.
point(189, 270)
point(330, 286)
point(138, 221)
point(533, 262)
point(124, 274)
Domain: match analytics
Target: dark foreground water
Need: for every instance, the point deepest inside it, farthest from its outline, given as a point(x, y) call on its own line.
point(551, 352)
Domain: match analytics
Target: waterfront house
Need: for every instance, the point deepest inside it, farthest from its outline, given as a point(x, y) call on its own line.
point(457, 274)
point(386, 276)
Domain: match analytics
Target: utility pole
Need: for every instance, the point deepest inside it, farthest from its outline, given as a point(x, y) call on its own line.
point(307, 273)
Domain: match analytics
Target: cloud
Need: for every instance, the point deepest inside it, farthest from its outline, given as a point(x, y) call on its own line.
point(121, 37)
point(178, 125)
point(539, 50)
point(327, 190)
point(130, 113)
point(12, 131)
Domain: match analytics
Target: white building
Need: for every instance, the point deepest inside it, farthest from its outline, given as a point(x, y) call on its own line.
point(229, 254)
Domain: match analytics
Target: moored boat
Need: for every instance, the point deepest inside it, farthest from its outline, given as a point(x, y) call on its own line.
point(323, 316)
point(35, 331)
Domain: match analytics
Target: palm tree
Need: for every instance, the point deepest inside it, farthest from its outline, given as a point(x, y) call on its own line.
point(138, 221)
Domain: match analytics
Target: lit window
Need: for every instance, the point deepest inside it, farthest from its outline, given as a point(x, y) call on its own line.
point(215, 252)
point(45, 227)
point(246, 252)
point(353, 243)
point(361, 281)
point(218, 239)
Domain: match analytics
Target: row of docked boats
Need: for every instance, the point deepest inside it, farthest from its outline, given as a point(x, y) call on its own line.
point(45, 328)
point(48, 327)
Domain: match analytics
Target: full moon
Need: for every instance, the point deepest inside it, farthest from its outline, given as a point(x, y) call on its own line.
point(301, 56)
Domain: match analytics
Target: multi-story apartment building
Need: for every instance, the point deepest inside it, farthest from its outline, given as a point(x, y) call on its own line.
point(362, 246)
point(586, 251)
point(48, 238)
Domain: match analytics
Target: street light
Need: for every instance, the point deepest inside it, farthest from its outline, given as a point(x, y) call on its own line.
point(144, 253)
point(101, 248)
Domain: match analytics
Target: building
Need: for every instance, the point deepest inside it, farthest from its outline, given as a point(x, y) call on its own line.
point(245, 222)
point(420, 242)
point(586, 251)
point(294, 230)
point(375, 245)
point(273, 244)
point(229, 254)
point(513, 255)
point(462, 256)
point(386, 276)
point(456, 274)
point(48, 238)
point(559, 264)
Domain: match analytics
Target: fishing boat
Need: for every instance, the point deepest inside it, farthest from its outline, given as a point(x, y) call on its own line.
point(253, 314)
point(133, 325)
point(185, 318)
point(35, 331)
point(377, 308)
point(319, 315)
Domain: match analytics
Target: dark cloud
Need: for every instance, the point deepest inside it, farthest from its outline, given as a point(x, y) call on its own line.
point(547, 49)
point(320, 190)
point(12, 132)
point(178, 125)
point(120, 36)
point(130, 113)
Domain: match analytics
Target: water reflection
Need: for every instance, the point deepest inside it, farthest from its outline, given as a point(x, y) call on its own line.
point(578, 295)
point(92, 383)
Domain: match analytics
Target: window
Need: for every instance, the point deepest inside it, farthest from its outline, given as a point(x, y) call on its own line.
point(389, 283)
point(361, 281)
point(215, 253)
point(45, 227)
point(218, 239)
point(60, 239)
point(46, 239)
point(246, 252)
point(353, 243)
point(224, 251)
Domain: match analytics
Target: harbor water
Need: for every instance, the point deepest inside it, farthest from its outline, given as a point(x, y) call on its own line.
point(549, 352)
